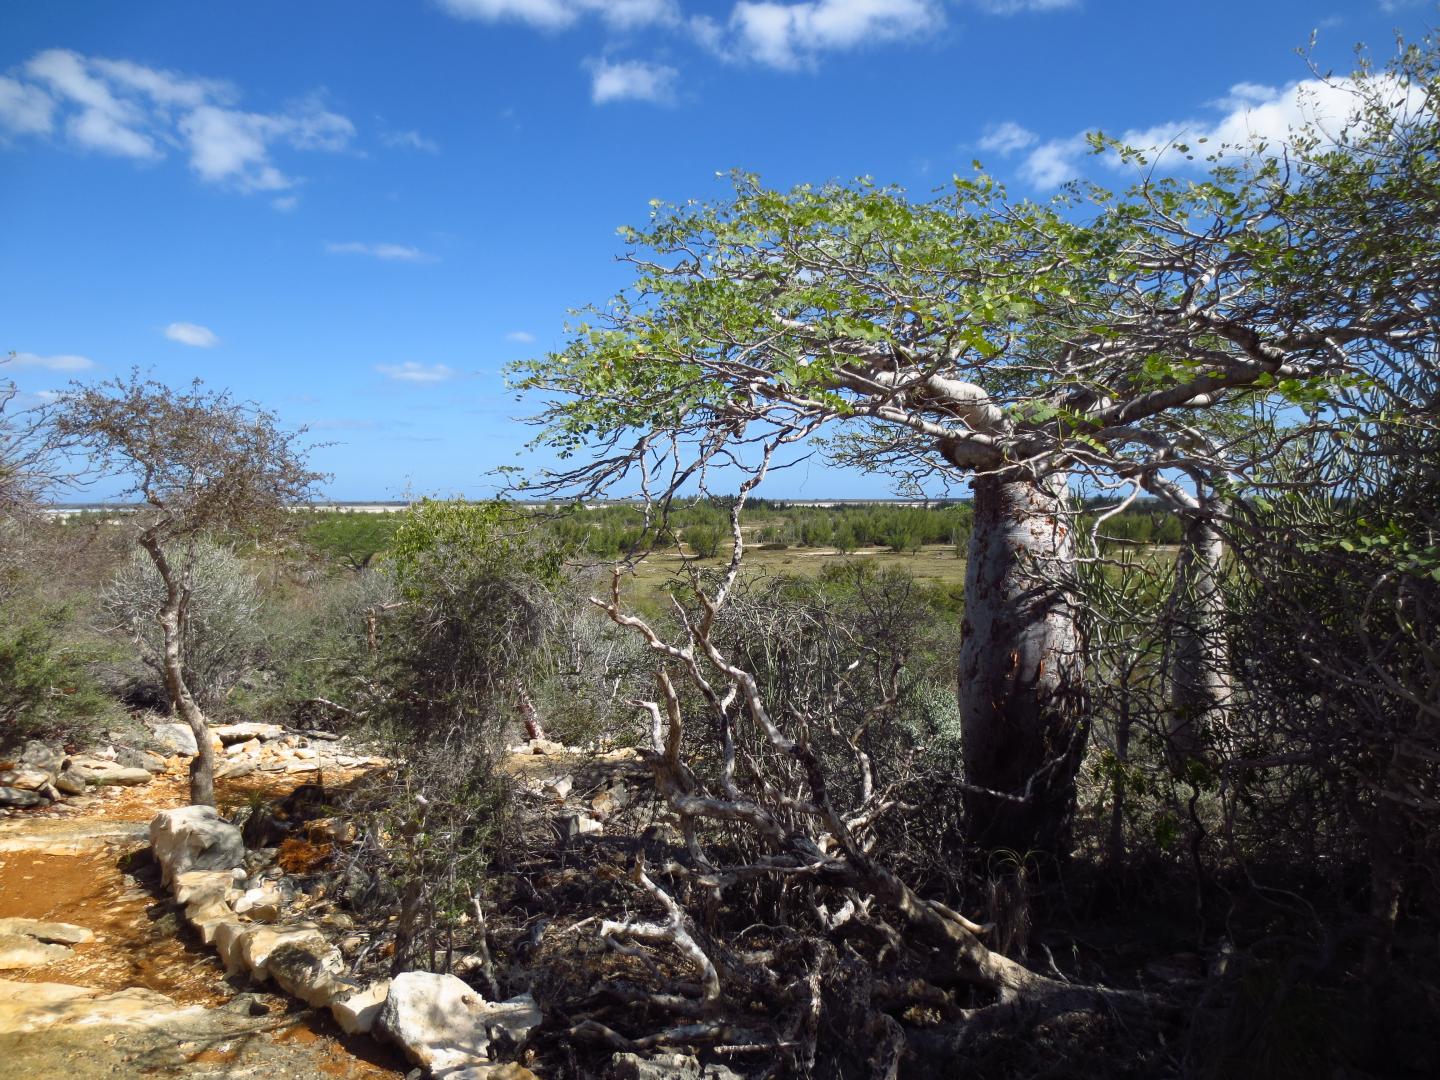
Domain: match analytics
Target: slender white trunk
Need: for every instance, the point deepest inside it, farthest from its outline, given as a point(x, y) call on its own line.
point(1022, 686)
point(172, 621)
point(1199, 672)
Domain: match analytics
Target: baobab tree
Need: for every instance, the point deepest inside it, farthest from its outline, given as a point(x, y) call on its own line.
point(1123, 342)
point(197, 462)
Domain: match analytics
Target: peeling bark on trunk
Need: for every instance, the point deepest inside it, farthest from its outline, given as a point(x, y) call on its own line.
point(534, 729)
point(1200, 681)
point(1022, 692)
point(171, 618)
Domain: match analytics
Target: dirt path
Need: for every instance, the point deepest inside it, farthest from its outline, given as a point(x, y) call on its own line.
point(143, 998)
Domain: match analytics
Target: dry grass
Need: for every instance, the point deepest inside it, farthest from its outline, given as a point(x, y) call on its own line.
point(934, 565)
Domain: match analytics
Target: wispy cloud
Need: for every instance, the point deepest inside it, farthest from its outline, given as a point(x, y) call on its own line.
point(126, 109)
point(792, 35)
point(631, 80)
point(409, 140)
point(1252, 116)
point(558, 14)
point(786, 34)
point(413, 372)
point(25, 109)
point(391, 252)
point(523, 337)
point(1006, 138)
point(189, 333)
point(61, 362)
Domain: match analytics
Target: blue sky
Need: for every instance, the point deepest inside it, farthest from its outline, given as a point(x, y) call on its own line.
point(356, 213)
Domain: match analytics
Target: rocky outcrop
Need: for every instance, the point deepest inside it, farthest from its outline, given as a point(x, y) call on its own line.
point(41, 774)
point(26, 779)
point(357, 1010)
point(240, 733)
point(19, 951)
point(444, 1025)
point(99, 771)
point(437, 1020)
point(26, 943)
point(19, 798)
point(177, 738)
point(194, 838)
point(58, 933)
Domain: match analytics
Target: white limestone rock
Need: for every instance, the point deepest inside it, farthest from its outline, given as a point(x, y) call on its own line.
point(308, 971)
point(194, 838)
point(442, 1024)
point(239, 733)
point(256, 944)
point(20, 799)
point(357, 1011)
point(57, 933)
point(68, 782)
point(25, 779)
point(99, 771)
point(261, 904)
point(22, 951)
point(177, 738)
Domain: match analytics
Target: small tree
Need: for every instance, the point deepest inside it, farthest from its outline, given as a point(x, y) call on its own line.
point(704, 540)
point(222, 637)
point(197, 461)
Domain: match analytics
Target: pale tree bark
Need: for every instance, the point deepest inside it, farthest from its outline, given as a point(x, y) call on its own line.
point(1199, 669)
point(171, 618)
point(1021, 679)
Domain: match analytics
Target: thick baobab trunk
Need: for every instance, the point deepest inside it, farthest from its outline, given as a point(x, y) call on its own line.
point(172, 620)
point(1022, 687)
point(1199, 675)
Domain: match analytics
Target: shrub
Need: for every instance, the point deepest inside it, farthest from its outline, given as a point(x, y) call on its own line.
point(221, 639)
point(46, 684)
point(704, 540)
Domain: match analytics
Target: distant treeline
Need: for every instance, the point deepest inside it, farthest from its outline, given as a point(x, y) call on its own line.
point(702, 527)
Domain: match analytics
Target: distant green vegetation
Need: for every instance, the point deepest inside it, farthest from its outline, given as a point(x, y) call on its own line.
point(352, 539)
point(702, 529)
point(349, 537)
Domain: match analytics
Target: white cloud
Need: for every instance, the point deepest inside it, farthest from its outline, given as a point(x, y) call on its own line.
point(63, 362)
point(1006, 138)
point(789, 35)
point(413, 372)
point(227, 144)
point(394, 252)
point(189, 333)
point(523, 337)
point(558, 14)
point(25, 109)
point(127, 109)
point(285, 203)
point(631, 80)
point(1269, 115)
point(409, 140)
point(1054, 161)
point(1253, 116)
point(99, 119)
